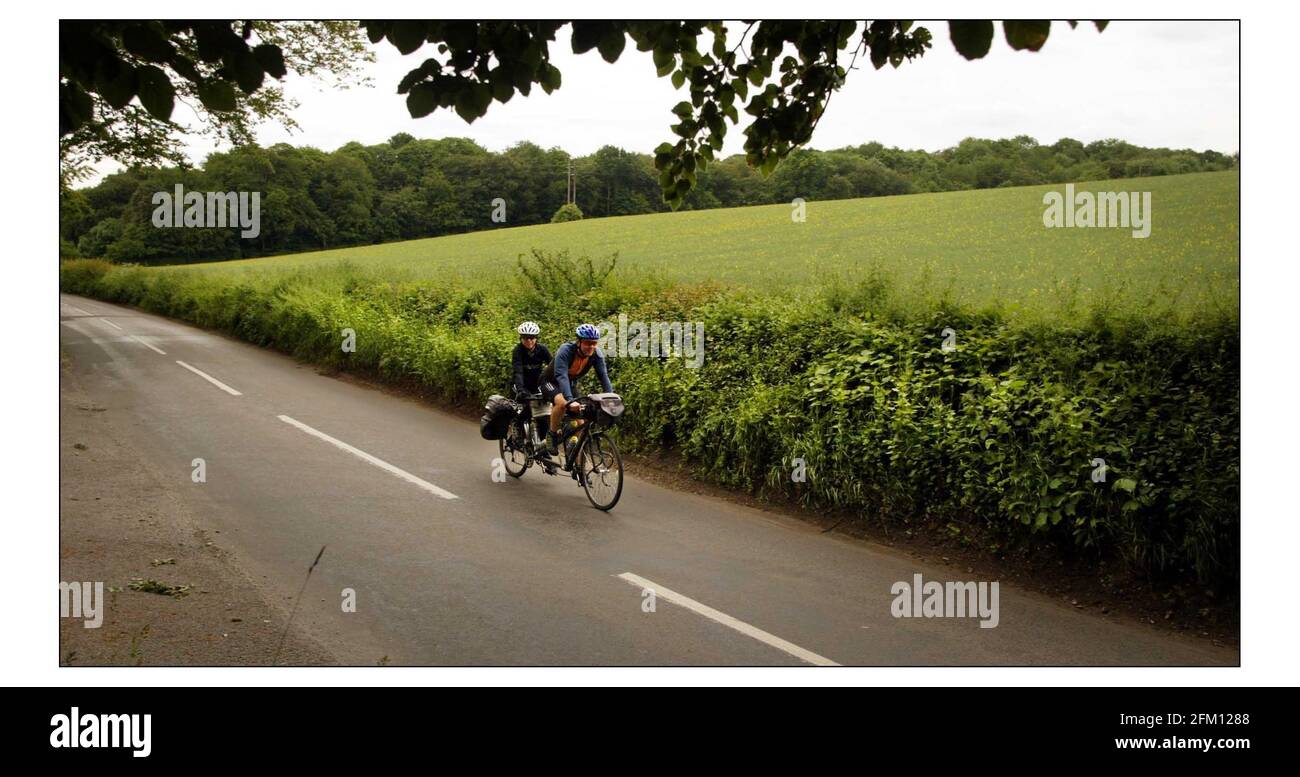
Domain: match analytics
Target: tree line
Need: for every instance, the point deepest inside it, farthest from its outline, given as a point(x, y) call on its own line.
point(409, 188)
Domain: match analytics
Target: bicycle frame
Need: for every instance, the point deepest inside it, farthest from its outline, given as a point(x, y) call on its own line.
point(585, 430)
point(581, 431)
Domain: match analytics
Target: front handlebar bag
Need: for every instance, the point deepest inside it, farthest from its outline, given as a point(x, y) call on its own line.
point(606, 408)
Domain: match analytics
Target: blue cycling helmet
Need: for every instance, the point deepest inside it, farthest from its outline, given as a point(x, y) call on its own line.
point(588, 332)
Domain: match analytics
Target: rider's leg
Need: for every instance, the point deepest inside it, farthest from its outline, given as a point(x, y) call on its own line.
point(552, 445)
point(557, 413)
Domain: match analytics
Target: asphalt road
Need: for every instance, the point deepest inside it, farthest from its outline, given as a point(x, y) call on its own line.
point(451, 567)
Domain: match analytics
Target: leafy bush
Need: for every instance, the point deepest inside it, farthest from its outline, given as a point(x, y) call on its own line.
point(569, 211)
point(82, 276)
point(555, 283)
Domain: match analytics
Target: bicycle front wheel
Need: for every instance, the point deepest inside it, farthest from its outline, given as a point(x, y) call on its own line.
point(600, 469)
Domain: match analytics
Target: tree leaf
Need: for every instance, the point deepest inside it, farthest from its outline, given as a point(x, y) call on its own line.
point(147, 43)
point(115, 82)
point(502, 88)
point(421, 100)
point(473, 100)
point(271, 60)
point(75, 107)
point(972, 38)
point(587, 35)
point(157, 94)
point(246, 69)
point(611, 45)
point(1029, 35)
point(218, 95)
point(664, 62)
point(185, 68)
point(550, 79)
point(407, 36)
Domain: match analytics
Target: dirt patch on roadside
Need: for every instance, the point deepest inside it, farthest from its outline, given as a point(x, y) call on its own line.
point(172, 597)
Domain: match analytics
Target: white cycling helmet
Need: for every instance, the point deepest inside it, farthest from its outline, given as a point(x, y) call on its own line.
point(530, 328)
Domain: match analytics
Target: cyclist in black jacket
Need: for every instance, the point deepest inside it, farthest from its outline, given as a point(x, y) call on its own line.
point(528, 359)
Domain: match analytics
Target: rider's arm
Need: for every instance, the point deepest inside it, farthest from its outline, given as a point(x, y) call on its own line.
point(601, 373)
point(517, 362)
point(562, 357)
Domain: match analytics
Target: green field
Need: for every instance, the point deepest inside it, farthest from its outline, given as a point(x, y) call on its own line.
point(824, 343)
point(980, 248)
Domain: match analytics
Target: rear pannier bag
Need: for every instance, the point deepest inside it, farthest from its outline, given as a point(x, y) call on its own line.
point(497, 414)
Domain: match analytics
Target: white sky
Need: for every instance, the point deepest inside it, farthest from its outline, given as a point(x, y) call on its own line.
point(1166, 83)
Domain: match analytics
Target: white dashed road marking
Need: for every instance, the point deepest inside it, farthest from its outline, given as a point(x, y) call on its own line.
point(378, 462)
point(209, 379)
point(148, 345)
point(726, 620)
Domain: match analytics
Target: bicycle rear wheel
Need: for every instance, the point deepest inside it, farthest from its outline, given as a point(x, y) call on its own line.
point(514, 451)
point(600, 470)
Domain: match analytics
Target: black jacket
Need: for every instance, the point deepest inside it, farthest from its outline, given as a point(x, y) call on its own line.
point(528, 366)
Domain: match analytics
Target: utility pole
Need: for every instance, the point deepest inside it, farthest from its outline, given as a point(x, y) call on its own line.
point(571, 187)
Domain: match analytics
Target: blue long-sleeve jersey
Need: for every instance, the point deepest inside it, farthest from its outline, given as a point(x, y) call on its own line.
point(558, 370)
